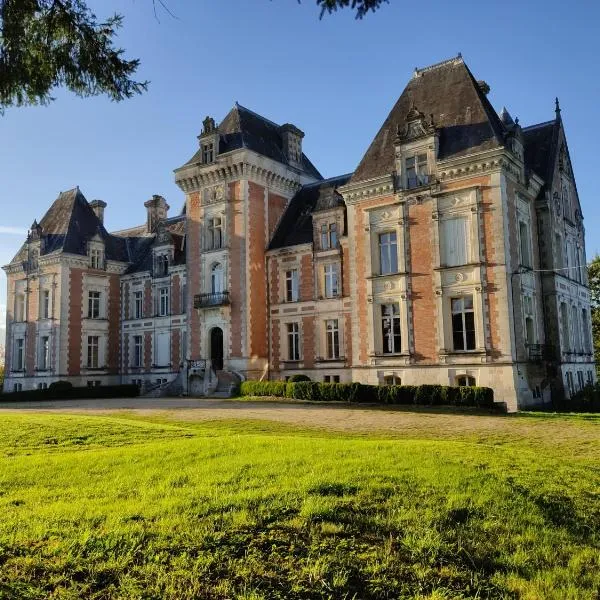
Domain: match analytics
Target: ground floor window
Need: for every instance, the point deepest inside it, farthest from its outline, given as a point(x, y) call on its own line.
point(590, 378)
point(392, 380)
point(293, 332)
point(331, 378)
point(390, 328)
point(333, 338)
point(463, 323)
point(570, 384)
point(94, 383)
point(42, 386)
point(580, 380)
point(465, 380)
point(18, 387)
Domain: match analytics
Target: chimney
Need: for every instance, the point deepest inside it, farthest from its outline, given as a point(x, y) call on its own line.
point(98, 207)
point(291, 137)
point(157, 209)
point(483, 86)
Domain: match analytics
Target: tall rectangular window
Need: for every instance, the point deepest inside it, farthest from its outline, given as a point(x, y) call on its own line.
point(215, 233)
point(559, 251)
point(388, 253)
point(138, 304)
point(328, 236)
point(390, 328)
point(564, 327)
point(576, 330)
point(570, 384)
point(530, 337)
point(20, 307)
point(19, 358)
point(161, 265)
point(586, 331)
point(416, 171)
point(332, 334)
point(463, 323)
point(455, 241)
point(207, 153)
point(580, 380)
point(524, 242)
point(331, 280)
point(44, 360)
point(92, 351)
point(163, 301)
point(45, 304)
point(291, 285)
point(293, 333)
point(93, 305)
point(96, 259)
point(137, 350)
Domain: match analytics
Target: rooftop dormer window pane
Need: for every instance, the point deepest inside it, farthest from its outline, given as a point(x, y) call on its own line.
point(416, 171)
point(207, 153)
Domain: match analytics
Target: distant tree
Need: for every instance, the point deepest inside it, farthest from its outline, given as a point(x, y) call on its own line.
point(594, 280)
point(1, 378)
point(362, 7)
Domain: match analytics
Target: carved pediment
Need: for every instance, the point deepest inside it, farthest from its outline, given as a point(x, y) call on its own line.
point(416, 125)
point(163, 235)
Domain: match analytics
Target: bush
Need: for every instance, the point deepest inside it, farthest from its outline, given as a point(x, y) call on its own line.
point(66, 391)
point(60, 386)
point(585, 400)
point(424, 395)
point(299, 377)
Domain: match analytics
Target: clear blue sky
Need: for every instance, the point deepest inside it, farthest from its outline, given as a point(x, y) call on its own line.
point(336, 79)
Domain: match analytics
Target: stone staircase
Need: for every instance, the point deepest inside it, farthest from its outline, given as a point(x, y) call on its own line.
point(227, 384)
point(174, 387)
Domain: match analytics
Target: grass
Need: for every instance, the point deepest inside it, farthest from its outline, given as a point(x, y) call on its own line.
point(127, 507)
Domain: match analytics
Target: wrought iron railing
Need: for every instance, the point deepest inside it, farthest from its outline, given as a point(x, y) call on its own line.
point(540, 352)
point(416, 181)
point(209, 300)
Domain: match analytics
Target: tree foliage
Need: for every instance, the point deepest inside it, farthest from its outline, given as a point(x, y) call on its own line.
point(45, 44)
point(594, 281)
point(362, 7)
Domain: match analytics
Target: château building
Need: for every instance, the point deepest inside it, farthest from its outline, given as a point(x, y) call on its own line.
point(453, 254)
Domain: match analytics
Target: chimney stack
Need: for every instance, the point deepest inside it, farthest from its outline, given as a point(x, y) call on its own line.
point(98, 207)
point(157, 209)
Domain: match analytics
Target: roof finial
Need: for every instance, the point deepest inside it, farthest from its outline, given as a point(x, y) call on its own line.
point(557, 108)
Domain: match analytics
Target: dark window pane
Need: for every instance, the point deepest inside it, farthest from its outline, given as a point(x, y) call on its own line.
point(457, 332)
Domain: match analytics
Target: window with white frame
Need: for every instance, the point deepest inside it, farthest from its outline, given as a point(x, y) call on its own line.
point(93, 305)
point(564, 327)
point(20, 311)
point(571, 262)
point(328, 236)
point(466, 380)
point(163, 301)
point(580, 380)
point(463, 323)
point(137, 351)
point(524, 245)
point(455, 241)
point(388, 253)
point(570, 384)
point(291, 285)
point(45, 304)
point(214, 233)
point(138, 304)
point(331, 280)
point(19, 355)
point(417, 173)
point(44, 356)
point(92, 351)
point(332, 336)
point(576, 346)
point(586, 331)
point(208, 153)
point(96, 258)
point(293, 339)
point(530, 337)
point(161, 267)
point(390, 328)
point(392, 380)
point(217, 278)
point(17, 387)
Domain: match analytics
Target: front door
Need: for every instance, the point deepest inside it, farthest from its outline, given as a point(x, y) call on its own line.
point(216, 348)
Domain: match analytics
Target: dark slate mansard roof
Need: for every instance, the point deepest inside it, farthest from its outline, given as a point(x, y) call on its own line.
point(243, 128)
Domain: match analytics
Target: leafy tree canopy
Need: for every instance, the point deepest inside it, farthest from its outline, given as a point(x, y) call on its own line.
point(594, 281)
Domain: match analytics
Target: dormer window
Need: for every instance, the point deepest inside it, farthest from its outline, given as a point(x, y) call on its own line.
point(96, 258)
point(417, 173)
point(328, 236)
point(162, 265)
point(33, 259)
point(208, 153)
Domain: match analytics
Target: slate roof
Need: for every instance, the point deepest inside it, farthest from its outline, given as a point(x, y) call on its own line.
point(243, 128)
point(540, 143)
point(448, 91)
point(296, 226)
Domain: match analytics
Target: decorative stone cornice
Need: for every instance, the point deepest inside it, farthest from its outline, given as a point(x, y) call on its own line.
point(364, 190)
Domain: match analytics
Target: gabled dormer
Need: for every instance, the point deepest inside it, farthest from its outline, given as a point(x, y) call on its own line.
point(163, 251)
point(34, 247)
point(209, 141)
point(96, 252)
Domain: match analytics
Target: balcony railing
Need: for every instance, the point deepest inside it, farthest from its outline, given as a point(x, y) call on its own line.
point(210, 300)
point(416, 181)
point(540, 352)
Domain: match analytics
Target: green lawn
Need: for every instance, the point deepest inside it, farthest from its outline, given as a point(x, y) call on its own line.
point(126, 507)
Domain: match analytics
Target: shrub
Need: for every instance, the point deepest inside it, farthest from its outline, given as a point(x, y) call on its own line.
point(66, 391)
point(262, 388)
point(299, 377)
point(60, 386)
point(585, 400)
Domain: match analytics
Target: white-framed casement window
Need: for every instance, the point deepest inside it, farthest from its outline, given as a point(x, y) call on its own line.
point(93, 346)
point(138, 351)
point(580, 380)
point(564, 327)
point(455, 241)
point(525, 245)
point(463, 323)
point(570, 384)
point(417, 172)
point(163, 301)
point(293, 340)
point(217, 278)
point(96, 258)
point(329, 236)
point(44, 353)
point(331, 280)
point(45, 304)
point(576, 345)
point(392, 380)
point(161, 265)
point(20, 310)
point(586, 331)
point(291, 285)
point(208, 153)
point(390, 328)
point(214, 233)
point(529, 321)
point(138, 304)
point(19, 355)
point(466, 380)
point(332, 338)
point(388, 253)
point(93, 305)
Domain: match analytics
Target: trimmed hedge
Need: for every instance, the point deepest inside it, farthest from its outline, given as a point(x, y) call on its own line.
point(424, 395)
point(68, 392)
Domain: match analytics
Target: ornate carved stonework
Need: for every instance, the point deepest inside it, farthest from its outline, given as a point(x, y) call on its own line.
point(214, 194)
point(416, 125)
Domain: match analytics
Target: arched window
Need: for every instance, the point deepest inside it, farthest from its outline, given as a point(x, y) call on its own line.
point(216, 278)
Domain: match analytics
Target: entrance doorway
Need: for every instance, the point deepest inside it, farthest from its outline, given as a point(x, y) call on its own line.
point(216, 348)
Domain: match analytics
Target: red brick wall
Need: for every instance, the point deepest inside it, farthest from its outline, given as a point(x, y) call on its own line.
point(275, 345)
point(193, 262)
point(348, 337)
point(33, 301)
point(147, 351)
point(277, 205)
point(274, 280)
point(114, 323)
point(176, 294)
point(257, 296)
point(75, 311)
point(126, 301)
point(307, 280)
point(127, 340)
point(236, 267)
point(308, 331)
point(175, 348)
point(345, 270)
point(148, 308)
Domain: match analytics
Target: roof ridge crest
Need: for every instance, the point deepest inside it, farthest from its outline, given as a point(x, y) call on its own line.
point(456, 60)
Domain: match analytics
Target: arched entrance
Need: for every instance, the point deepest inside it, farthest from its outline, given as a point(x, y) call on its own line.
point(216, 348)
